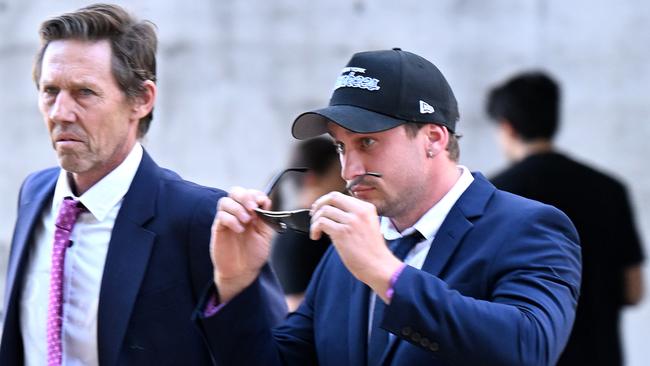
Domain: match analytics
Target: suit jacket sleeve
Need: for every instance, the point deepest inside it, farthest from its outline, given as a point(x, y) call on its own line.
point(254, 329)
point(240, 333)
point(527, 317)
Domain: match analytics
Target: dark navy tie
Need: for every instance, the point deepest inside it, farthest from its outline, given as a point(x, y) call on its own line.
point(378, 336)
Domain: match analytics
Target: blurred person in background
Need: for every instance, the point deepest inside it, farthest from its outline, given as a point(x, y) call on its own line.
point(108, 255)
point(293, 255)
point(526, 109)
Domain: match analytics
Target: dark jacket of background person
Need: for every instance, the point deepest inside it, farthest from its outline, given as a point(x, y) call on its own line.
point(597, 204)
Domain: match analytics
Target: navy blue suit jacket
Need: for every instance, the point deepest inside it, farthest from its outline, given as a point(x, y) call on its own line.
point(157, 265)
point(498, 287)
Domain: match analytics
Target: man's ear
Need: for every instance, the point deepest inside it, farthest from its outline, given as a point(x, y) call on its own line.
point(437, 139)
point(143, 103)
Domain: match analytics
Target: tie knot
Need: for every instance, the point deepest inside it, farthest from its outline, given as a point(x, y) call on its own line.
point(68, 213)
point(403, 245)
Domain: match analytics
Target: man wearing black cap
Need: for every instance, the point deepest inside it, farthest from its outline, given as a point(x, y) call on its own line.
point(430, 264)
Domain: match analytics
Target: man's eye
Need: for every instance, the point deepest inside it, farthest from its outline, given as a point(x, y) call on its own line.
point(86, 91)
point(367, 142)
point(50, 90)
point(340, 148)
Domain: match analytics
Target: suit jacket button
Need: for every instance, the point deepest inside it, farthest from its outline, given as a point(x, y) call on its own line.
point(416, 337)
point(424, 342)
point(434, 346)
point(406, 331)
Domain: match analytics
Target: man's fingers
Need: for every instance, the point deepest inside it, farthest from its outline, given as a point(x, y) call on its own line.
point(234, 208)
point(262, 201)
point(343, 209)
point(236, 211)
point(339, 200)
point(322, 214)
point(331, 199)
point(327, 226)
point(226, 220)
point(332, 213)
point(249, 198)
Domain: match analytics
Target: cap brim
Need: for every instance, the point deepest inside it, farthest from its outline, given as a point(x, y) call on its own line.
point(355, 119)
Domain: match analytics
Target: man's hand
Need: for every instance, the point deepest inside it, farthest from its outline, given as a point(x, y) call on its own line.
point(240, 242)
point(353, 226)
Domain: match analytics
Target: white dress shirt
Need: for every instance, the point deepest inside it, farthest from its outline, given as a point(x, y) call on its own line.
point(427, 225)
point(84, 267)
point(430, 222)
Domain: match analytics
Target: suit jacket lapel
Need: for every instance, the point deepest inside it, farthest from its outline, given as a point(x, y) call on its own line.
point(126, 261)
point(458, 222)
point(28, 214)
point(447, 239)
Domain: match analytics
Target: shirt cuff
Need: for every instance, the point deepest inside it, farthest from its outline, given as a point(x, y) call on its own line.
point(393, 280)
point(213, 306)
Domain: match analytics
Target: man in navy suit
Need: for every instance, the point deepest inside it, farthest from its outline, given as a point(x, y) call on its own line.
point(490, 279)
point(136, 260)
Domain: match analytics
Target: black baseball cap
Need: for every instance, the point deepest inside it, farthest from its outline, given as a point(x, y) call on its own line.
point(379, 90)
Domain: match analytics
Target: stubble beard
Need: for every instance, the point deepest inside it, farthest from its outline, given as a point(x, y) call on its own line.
point(75, 161)
point(398, 206)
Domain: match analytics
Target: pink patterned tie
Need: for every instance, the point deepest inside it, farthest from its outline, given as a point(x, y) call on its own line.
point(64, 222)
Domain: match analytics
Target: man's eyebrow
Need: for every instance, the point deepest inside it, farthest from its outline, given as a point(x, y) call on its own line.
point(86, 81)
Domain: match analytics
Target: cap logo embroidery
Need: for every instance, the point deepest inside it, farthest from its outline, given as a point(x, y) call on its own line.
point(350, 79)
point(425, 107)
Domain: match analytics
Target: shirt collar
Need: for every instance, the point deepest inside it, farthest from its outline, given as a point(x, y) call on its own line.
point(431, 221)
point(106, 193)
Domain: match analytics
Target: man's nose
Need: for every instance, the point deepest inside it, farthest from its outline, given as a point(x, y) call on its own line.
point(62, 110)
point(351, 165)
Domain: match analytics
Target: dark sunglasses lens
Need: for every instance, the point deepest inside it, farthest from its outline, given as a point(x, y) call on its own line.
point(282, 221)
point(301, 220)
point(274, 222)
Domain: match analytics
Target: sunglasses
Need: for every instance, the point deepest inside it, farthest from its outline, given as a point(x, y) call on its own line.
point(281, 221)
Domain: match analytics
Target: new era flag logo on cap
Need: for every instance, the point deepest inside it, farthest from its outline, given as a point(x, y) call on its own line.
point(425, 107)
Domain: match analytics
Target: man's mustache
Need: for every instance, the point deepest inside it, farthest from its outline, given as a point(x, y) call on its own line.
point(360, 179)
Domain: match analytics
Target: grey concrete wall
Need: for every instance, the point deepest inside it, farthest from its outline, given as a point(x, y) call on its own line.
point(234, 74)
